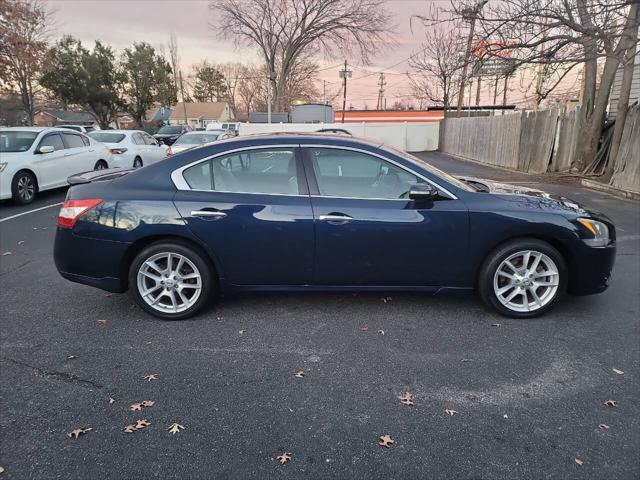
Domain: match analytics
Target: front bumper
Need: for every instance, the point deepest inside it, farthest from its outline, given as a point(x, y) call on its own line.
point(90, 261)
point(590, 269)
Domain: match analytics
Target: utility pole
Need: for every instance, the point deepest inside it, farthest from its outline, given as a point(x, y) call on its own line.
point(381, 85)
point(470, 14)
point(324, 92)
point(506, 85)
point(478, 91)
point(184, 104)
point(344, 74)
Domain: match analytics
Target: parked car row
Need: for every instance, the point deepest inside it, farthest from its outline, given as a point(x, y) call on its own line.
point(34, 159)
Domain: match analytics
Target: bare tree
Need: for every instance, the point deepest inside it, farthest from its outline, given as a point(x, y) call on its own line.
point(24, 29)
point(587, 32)
point(438, 65)
point(285, 30)
point(174, 59)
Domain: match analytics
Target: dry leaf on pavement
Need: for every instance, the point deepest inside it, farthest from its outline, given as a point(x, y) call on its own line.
point(136, 407)
point(284, 458)
point(6, 253)
point(130, 428)
point(242, 332)
point(151, 376)
point(619, 372)
point(451, 413)
point(299, 374)
point(102, 322)
point(604, 426)
point(385, 441)
point(21, 242)
point(142, 423)
point(406, 398)
point(381, 333)
point(78, 431)
point(111, 400)
point(175, 428)
point(71, 357)
point(611, 403)
point(578, 461)
point(147, 403)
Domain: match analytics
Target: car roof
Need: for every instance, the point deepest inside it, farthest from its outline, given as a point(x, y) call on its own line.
point(214, 130)
point(118, 131)
point(309, 137)
point(39, 129)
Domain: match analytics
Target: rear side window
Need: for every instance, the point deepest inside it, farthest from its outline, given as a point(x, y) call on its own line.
point(53, 140)
point(272, 171)
point(73, 140)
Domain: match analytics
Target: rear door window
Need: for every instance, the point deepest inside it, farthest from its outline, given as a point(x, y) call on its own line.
point(53, 140)
point(73, 141)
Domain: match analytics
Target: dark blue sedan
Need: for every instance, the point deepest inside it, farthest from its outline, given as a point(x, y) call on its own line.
point(323, 212)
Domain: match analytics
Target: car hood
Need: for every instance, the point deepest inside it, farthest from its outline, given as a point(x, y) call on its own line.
point(14, 156)
point(531, 198)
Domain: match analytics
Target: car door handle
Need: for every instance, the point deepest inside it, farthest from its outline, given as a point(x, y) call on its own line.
point(335, 218)
point(209, 214)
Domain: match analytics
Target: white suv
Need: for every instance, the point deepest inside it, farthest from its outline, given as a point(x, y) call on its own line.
point(33, 159)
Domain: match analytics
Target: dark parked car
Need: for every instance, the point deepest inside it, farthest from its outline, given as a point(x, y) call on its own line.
point(170, 133)
point(317, 212)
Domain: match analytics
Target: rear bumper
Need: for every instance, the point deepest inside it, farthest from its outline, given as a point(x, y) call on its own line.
point(90, 261)
point(591, 269)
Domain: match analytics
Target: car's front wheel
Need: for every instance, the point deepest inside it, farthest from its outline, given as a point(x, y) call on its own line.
point(171, 280)
point(523, 278)
point(24, 187)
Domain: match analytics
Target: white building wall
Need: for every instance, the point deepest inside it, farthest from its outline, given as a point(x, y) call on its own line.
point(411, 137)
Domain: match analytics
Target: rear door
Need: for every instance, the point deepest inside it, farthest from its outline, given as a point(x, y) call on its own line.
point(252, 209)
point(369, 233)
point(81, 157)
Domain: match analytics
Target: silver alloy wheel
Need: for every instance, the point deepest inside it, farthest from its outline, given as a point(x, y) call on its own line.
point(26, 188)
point(169, 282)
point(526, 281)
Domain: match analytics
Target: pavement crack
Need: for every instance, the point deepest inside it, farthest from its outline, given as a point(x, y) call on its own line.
point(62, 376)
point(19, 267)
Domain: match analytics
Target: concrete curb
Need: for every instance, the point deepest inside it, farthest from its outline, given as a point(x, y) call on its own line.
point(611, 190)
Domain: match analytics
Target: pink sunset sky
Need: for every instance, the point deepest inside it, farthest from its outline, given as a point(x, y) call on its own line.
point(122, 22)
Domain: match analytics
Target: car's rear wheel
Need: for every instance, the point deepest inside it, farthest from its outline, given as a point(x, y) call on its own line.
point(100, 165)
point(171, 280)
point(137, 162)
point(523, 278)
point(24, 187)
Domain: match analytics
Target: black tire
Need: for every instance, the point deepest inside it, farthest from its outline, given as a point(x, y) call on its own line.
point(493, 261)
point(100, 165)
point(137, 162)
point(208, 289)
point(24, 187)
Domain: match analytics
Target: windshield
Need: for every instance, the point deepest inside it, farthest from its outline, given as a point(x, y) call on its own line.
point(170, 129)
point(16, 141)
point(106, 137)
point(430, 168)
point(197, 138)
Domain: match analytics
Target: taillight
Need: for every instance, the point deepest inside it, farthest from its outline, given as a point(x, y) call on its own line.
point(117, 151)
point(72, 209)
point(168, 153)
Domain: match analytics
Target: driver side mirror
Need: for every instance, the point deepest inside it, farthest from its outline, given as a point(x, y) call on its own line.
point(423, 192)
point(46, 149)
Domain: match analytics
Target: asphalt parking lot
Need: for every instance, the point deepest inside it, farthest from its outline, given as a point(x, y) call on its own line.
point(529, 395)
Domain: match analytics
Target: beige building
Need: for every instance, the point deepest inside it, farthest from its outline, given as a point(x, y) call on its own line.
point(200, 114)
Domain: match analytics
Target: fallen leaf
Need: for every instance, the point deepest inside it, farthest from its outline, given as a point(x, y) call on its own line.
point(151, 376)
point(1, 470)
point(284, 458)
point(175, 428)
point(505, 416)
point(71, 357)
point(220, 317)
point(387, 299)
point(21, 242)
point(578, 461)
point(142, 424)
point(381, 333)
point(619, 372)
point(242, 332)
point(130, 429)
point(78, 431)
point(111, 401)
point(6, 253)
point(135, 407)
point(611, 403)
point(406, 398)
point(495, 324)
point(299, 374)
point(147, 403)
point(451, 413)
point(604, 426)
point(102, 322)
point(385, 441)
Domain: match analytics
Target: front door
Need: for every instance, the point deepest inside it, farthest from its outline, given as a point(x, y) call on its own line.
point(253, 211)
point(369, 233)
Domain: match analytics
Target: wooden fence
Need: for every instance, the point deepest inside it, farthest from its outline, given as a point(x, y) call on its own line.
point(626, 174)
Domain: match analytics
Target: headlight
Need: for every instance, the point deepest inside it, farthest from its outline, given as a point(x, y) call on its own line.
point(599, 232)
point(3, 165)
